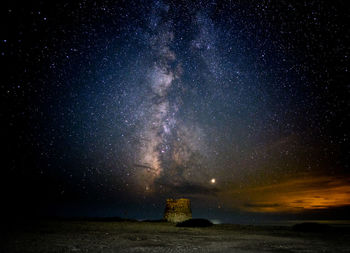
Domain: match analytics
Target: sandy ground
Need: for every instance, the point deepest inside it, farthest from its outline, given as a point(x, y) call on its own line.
point(74, 236)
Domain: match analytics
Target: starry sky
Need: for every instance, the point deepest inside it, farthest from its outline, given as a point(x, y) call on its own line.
point(110, 107)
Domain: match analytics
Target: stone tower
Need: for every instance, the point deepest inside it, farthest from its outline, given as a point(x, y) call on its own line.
point(177, 210)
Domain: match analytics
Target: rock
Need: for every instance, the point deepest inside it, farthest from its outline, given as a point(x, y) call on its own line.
point(177, 210)
point(195, 223)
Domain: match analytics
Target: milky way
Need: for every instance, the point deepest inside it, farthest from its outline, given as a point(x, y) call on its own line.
point(159, 120)
point(121, 105)
point(165, 143)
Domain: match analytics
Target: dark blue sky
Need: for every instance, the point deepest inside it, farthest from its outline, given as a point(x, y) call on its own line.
point(110, 108)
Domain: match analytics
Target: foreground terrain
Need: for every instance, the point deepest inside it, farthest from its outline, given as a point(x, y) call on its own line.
point(129, 236)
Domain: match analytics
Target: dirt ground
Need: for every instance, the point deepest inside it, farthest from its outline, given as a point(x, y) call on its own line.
point(87, 236)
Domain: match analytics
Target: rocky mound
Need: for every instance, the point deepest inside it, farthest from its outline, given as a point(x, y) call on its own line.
point(195, 223)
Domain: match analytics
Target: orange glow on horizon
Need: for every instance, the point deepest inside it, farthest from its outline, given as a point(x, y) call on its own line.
point(295, 195)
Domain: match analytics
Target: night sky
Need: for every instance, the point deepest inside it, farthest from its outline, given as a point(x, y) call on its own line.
point(110, 107)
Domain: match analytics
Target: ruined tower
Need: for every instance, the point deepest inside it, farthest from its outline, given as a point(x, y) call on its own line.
point(177, 210)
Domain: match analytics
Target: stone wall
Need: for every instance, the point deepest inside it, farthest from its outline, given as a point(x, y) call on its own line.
point(177, 210)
